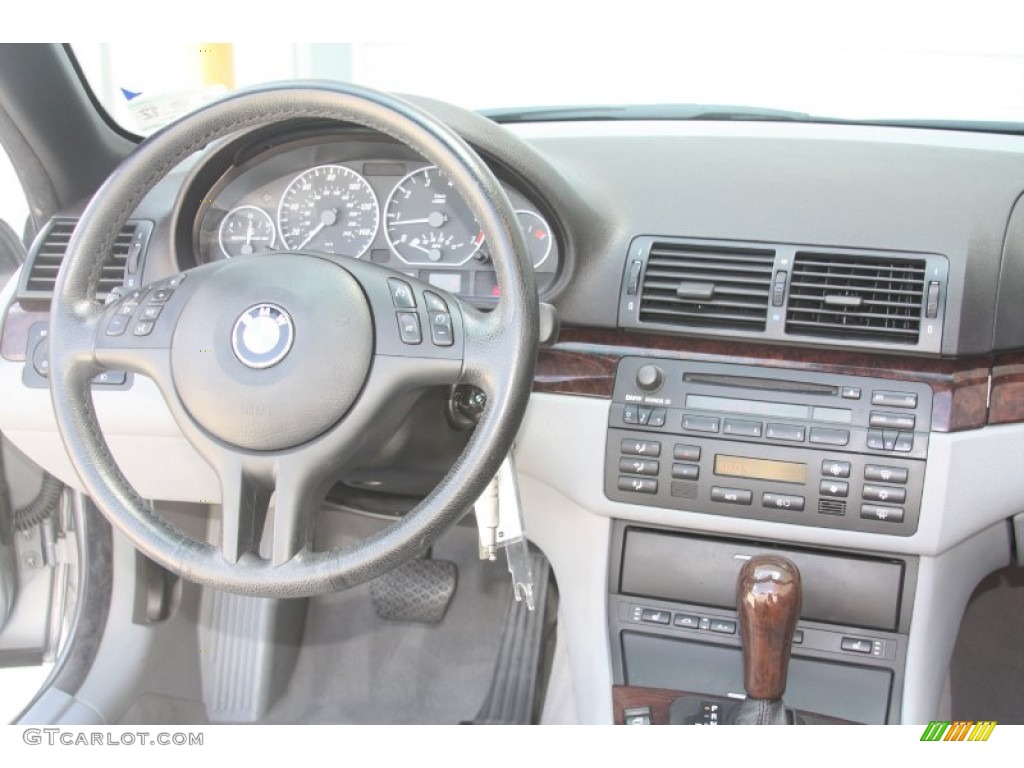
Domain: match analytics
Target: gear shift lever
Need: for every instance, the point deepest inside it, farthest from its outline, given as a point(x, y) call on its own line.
point(768, 598)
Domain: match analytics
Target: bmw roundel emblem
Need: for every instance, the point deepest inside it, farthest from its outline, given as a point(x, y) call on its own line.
point(262, 336)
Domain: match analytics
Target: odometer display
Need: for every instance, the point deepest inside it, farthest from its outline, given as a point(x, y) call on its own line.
point(331, 209)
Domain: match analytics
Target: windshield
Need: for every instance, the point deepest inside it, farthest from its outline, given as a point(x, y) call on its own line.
point(939, 78)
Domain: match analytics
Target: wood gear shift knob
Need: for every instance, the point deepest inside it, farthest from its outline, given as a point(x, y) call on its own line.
point(768, 597)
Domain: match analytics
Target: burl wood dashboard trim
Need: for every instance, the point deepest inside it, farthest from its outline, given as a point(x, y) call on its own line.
point(583, 362)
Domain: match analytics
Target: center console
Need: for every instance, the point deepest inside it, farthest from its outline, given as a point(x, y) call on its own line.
point(801, 448)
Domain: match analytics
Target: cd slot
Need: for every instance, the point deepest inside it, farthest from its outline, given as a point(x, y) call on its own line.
point(756, 382)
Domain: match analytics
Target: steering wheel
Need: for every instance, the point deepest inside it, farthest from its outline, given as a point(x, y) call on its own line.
point(280, 368)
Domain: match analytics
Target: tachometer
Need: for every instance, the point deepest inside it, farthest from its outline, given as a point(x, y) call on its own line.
point(246, 230)
point(331, 209)
point(427, 222)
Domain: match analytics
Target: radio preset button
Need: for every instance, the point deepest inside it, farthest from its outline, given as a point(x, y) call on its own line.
point(700, 423)
point(879, 512)
point(894, 399)
point(829, 436)
point(685, 471)
point(686, 452)
point(891, 420)
point(834, 488)
point(782, 501)
point(638, 484)
point(785, 432)
point(638, 466)
point(884, 493)
point(640, 447)
point(731, 495)
point(877, 473)
point(742, 428)
point(835, 468)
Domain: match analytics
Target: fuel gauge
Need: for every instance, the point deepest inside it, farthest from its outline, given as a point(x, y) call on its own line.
point(538, 236)
point(246, 230)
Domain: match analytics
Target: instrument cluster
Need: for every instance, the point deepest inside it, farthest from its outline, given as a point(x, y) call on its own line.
point(365, 202)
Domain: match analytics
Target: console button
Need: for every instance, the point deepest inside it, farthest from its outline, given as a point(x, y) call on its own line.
point(117, 325)
point(904, 442)
point(636, 716)
point(835, 488)
point(440, 329)
point(878, 512)
point(798, 637)
point(638, 466)
point(723, 626)
point(779, 288)
point(657, 419)
point(894, 399)
point(409, 327)
point(686, 621)
point(656, 616)
point(889, 437)
point(638, 484)
point(640, 447)
point(884, 493)
point(829, 436)
point(783, 501)
point(731, 495)
point(742, 428)
point(849, 393)
point(685, 471)
point(882, 474)
point(645, 414)
point(401, 294)
point(700, 423)
point(876, 440)
point(856, 645)
point(631, 414)
point(891, 420)
point(835, 468)
point(686, 452)
point(434, 302)
point(785, 432)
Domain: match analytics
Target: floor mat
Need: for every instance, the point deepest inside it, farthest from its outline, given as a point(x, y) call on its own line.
point(987, 672)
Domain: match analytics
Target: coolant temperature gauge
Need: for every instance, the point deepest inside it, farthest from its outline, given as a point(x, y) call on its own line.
point(538, 236)
point(246, 230)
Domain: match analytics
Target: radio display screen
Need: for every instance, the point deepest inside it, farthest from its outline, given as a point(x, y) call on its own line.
point(760, 469)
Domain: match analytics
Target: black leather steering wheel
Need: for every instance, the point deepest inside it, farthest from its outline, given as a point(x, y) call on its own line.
point(280, 368)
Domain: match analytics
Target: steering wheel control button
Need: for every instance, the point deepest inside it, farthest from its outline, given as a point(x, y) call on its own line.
point(881, 513)
point(117, 325)
point(880, 474)
point(831, 468)
point(110, 378)
point(835, 488)
point(143, 328)
point(160, 295)
point(151, 312)
point(41, 358)
point(409, 327)
point(401, 294)
point(262, 336)
point(641, 448)
point(731, 495)
point(434, 302)
point(441, 329)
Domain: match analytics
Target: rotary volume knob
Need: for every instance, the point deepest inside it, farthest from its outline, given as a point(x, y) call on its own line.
point(650, 378)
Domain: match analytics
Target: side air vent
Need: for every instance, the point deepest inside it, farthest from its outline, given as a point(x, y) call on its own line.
point(845, 296)
point(122, 266)
point(706, 286)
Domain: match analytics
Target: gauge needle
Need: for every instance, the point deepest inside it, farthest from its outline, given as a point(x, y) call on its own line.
point(434, 254)
point(435, 219)
point(327, 218)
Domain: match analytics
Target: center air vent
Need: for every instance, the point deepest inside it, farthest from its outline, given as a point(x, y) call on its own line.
point(706, 286)
point(855, 297)
point(43, 264)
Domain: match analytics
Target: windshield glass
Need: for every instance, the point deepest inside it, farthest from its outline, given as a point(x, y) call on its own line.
point(935, 78)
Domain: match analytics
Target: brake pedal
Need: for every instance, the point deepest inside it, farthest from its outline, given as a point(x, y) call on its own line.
point(419, 590)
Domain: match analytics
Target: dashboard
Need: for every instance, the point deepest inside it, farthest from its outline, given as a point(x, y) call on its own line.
point(365, 200)
point(637, 232)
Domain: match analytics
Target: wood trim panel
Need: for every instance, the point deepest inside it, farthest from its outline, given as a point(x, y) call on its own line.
point(583, 362)
point(658, 699)
point(1007, 389)
point(15, 333)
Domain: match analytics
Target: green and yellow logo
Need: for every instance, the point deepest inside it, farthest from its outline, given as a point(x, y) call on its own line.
point(961, 730)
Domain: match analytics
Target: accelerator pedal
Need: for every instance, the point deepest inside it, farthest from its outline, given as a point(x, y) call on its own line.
point(420, 590)
point(512, 697)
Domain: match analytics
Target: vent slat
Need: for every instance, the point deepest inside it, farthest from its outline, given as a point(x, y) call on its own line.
point(741, 280)
point(890, 293)
point(49, 256)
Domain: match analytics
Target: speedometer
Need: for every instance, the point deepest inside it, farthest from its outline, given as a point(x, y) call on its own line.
point(427, 222)
point(331, 209)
